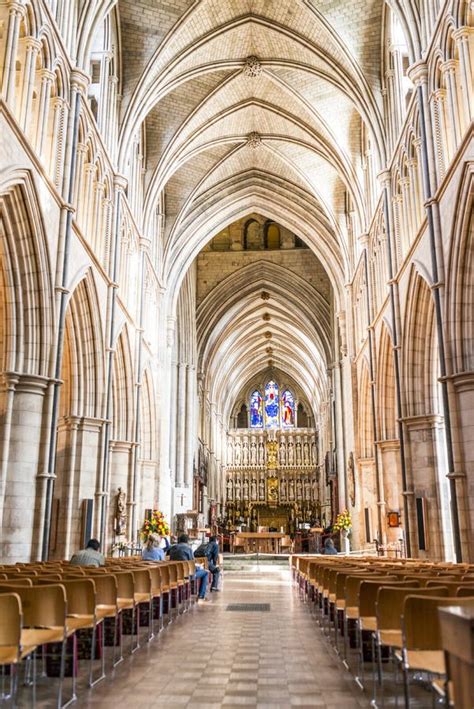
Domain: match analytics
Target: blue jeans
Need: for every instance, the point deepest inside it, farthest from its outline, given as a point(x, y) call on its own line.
point(202, 575)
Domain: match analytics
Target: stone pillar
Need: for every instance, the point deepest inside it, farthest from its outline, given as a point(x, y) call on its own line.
point(463, 384)
point(15, 13)
point(181, 425)
point(190, 425)
point(29, 76)
point(47, 78)
point(463, 37)
point(25, 409)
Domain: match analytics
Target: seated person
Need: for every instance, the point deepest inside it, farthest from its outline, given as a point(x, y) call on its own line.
point(183, 552)
point(90, 556)
point(152, 550)
point(329, 547)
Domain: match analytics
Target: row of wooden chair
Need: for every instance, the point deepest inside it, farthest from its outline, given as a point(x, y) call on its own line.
point(385, 611)
point(41, 604)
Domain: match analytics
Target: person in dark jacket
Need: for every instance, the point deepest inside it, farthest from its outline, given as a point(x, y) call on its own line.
point(183, 552)
point(213, 557)
point(329, 547)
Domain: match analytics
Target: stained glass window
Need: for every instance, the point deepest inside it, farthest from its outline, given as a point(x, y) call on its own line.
point(256, 410)
point(272, 419)
point(287, 409)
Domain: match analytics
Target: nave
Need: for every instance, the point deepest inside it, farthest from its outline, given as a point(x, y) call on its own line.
point(270, 660)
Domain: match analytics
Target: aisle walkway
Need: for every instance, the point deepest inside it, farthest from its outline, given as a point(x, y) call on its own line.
point(227, 658)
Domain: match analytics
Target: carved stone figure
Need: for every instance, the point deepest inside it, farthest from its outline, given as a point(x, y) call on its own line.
point(314, 485)
point(230, 489)
point(237, 488)
point(298, 452)
point(307, 489)
point(120, 512)
point(306, 460)
point(261, 489)
point(291, 490)
point(230, 453)
point(314, 457)
point(245, 489)
point(237, 453)
point(291, 454)
point(282, 453)
point(261, 453)
point(299, 489)
point(283, 489)
point(253, 489)
point(245, 453)
point(253, 453)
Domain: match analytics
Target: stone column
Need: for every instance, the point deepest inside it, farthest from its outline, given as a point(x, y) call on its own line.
point(463, 37)
point(20, 501)
point(29, 75)
point(190, 425)
point(47, 78)
point(15, 13)
point(181, 425)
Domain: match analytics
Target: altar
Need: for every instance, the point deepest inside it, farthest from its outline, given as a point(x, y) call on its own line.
point(262, 542)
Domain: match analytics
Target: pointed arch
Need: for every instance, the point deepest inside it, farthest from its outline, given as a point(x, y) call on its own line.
point(365, 422)
point(122, 389)
point(27, 309)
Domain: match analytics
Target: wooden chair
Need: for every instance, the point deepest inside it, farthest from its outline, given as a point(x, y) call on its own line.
point(126, 601)
point(45, 622)
point(388, 634)
point(422, 644)
point(13, 648)
point(143, 594)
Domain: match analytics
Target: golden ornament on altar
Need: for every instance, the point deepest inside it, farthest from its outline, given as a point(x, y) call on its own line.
point(272, 454)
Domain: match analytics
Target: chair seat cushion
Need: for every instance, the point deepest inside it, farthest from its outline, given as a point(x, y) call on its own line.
point(352, 612)
point(9, 653)
point(427, 660)
point(368, 622)
point(105, 611)
point(142, 597)
point(41, 636)
point(391, 638)
point(125, 603)
point(340, 604)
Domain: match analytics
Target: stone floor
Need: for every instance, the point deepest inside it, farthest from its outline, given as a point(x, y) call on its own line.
point(218, 658)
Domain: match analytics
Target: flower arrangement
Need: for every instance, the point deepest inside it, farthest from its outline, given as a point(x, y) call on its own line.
point(343, 521)
point(156, 524)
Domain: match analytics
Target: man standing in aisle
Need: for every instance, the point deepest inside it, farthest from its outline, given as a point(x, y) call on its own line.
point(213, 557)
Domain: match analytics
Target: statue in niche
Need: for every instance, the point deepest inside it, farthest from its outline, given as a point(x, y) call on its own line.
point(230, 489)
point(253, 520)
point(307, 489)
point(291, 490)
point(261, 453)
point(245, 488)
point(272, 454)
point(230, 453)
point(282, 453)
point(314, 458)
point(299, 489)
point(120, 512)
point(283, 490)
point(245, 453)
point(237, 488)
point(306, 460)
point(253, 453)
point(261, 489)
point(253, 489)
point(291, 454)
point(314, 485)
point(237, 453)
point(298, 452)
point(351, 485)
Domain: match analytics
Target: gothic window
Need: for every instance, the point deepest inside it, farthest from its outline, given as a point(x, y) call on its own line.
point(272, 418)
point(256, 410)
point(272, 236)
point(287, 409)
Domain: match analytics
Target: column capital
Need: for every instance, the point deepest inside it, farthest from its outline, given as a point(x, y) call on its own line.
point(120, 182)
point(384, 177)
point(79, 81)
point(418, 73)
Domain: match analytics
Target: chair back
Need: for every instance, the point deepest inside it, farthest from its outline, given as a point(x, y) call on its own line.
point(125, 584)
point(142, 580)
point(165, 574)
point(420, 623)
point(390, 601)
point(155, 576)
point(10, 619)
point(105, 589)
point(17, 582)
point(465, 591)
point(43, 606)
point(80, 595)
point(173, 572)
